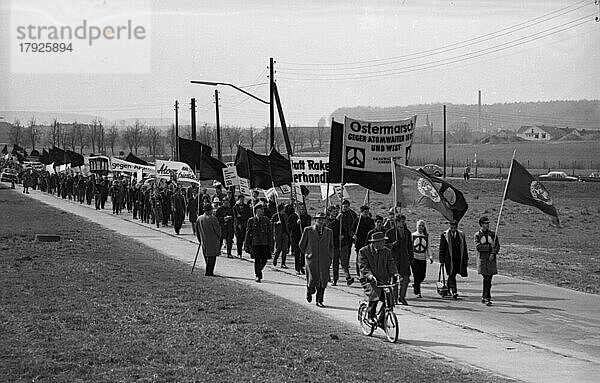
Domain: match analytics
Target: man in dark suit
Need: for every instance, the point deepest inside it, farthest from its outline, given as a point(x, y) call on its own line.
point(259, 240)
point(454, 255)
point(399, 240)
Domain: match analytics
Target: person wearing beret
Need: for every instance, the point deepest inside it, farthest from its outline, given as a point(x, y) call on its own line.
point(259, 240)
point(454, 255)
point(208, 232)
point(488, 246)
point(317, 245)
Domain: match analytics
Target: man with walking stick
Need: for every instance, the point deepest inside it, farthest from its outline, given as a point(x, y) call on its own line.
point(208, 232)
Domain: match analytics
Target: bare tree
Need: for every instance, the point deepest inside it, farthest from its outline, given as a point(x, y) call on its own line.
point(462, 132)
point(312, 138)
point(71, 136)
point(32, 132)
point(295, 137)
point(152, 139)
point(252, 135)
point(16, 134)
point(321, 136)
point(94, 130)
point(233, 136)
point(55, 133)
point(82, 136)
point(101, 147)
point(133, 136)
point(112, 137)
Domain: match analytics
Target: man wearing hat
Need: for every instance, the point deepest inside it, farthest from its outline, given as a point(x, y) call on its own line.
point(454, 255)
point(376, 266)
point(259, 240)
point(488, 246)
point(241, 215)
point(208, 233)
point(317, 245)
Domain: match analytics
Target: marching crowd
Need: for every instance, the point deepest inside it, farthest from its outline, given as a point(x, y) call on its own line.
point(321, 245)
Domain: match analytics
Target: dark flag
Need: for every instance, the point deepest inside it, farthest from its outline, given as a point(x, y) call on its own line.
point(367, 148)
point(131, 158)
point(17, 149)
point(414, 188)
point(75, 158)
point(262, 171)
point(210, 168)
point(56, 156)
point(189, 152)
point(5, 150)
point(34, 155)
point(20, 157)
point(45, 157)
point(523, 188)
point(453, 197)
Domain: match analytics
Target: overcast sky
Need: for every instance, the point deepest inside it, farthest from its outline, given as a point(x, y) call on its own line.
point(390, 45)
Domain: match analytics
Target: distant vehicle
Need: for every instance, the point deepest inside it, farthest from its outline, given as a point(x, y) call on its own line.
point(593, 177)
point(9, 175)
point(433, 170)
point(557, 176)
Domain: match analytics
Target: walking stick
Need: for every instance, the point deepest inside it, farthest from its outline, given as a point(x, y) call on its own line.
point(195, 258)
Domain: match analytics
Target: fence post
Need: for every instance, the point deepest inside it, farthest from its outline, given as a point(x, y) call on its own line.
point(500, 168)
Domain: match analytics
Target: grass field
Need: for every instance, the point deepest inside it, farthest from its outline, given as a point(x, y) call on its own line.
point(99, 307)
point(532, 248)
point(560, 155)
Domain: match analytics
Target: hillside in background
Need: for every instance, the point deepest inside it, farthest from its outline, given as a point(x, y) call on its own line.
point(581, 114)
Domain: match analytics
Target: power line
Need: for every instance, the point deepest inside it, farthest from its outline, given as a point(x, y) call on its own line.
point(455, 59)
point(437, 51)
point(443, 47)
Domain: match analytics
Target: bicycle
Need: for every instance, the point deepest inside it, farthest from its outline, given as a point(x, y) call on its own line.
point(390, 322)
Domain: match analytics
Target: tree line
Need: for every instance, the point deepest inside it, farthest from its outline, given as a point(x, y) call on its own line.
point(152, 141)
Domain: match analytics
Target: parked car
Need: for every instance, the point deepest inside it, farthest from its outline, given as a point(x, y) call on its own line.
point(433, 170)
point(593, 177)
point(9, 175)
point(557, 176)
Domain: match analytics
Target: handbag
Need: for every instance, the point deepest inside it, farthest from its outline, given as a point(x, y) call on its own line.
point(442, 288)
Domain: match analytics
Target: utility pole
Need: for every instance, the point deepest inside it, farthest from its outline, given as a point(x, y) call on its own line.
point(271, 103)
point(479, 111)
point(177, 130)
point(219, 155)
point(193, 103)
point(444, 140)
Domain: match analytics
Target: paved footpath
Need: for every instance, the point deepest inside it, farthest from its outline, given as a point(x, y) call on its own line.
point(533, 332)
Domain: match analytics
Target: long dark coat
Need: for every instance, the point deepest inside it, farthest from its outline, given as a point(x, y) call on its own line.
point(401, 247)
point(208, 232)
point(486, 244)
point(380, 264)
point(445, 253)
point(318, 250)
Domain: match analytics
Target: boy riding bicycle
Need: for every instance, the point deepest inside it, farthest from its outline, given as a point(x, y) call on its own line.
point(375, 264)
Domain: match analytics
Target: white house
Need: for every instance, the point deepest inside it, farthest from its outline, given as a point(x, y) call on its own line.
point(539, 133)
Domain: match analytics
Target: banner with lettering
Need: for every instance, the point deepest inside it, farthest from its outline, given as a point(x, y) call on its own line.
point(117, 165)
point(179, 171)
point(310, 170)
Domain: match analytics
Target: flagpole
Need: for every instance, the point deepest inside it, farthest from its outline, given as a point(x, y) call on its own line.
point(504, 195)
point(395, 184)
point(343, 184)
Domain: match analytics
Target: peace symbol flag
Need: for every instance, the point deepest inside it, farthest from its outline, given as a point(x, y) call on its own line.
point(524, 189)
point(413, 188)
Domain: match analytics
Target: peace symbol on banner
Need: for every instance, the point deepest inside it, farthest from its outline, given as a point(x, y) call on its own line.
point(355, 157)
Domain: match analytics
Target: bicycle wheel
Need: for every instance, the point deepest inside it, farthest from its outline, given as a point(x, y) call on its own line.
point(363, 318)
point(391, 327)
